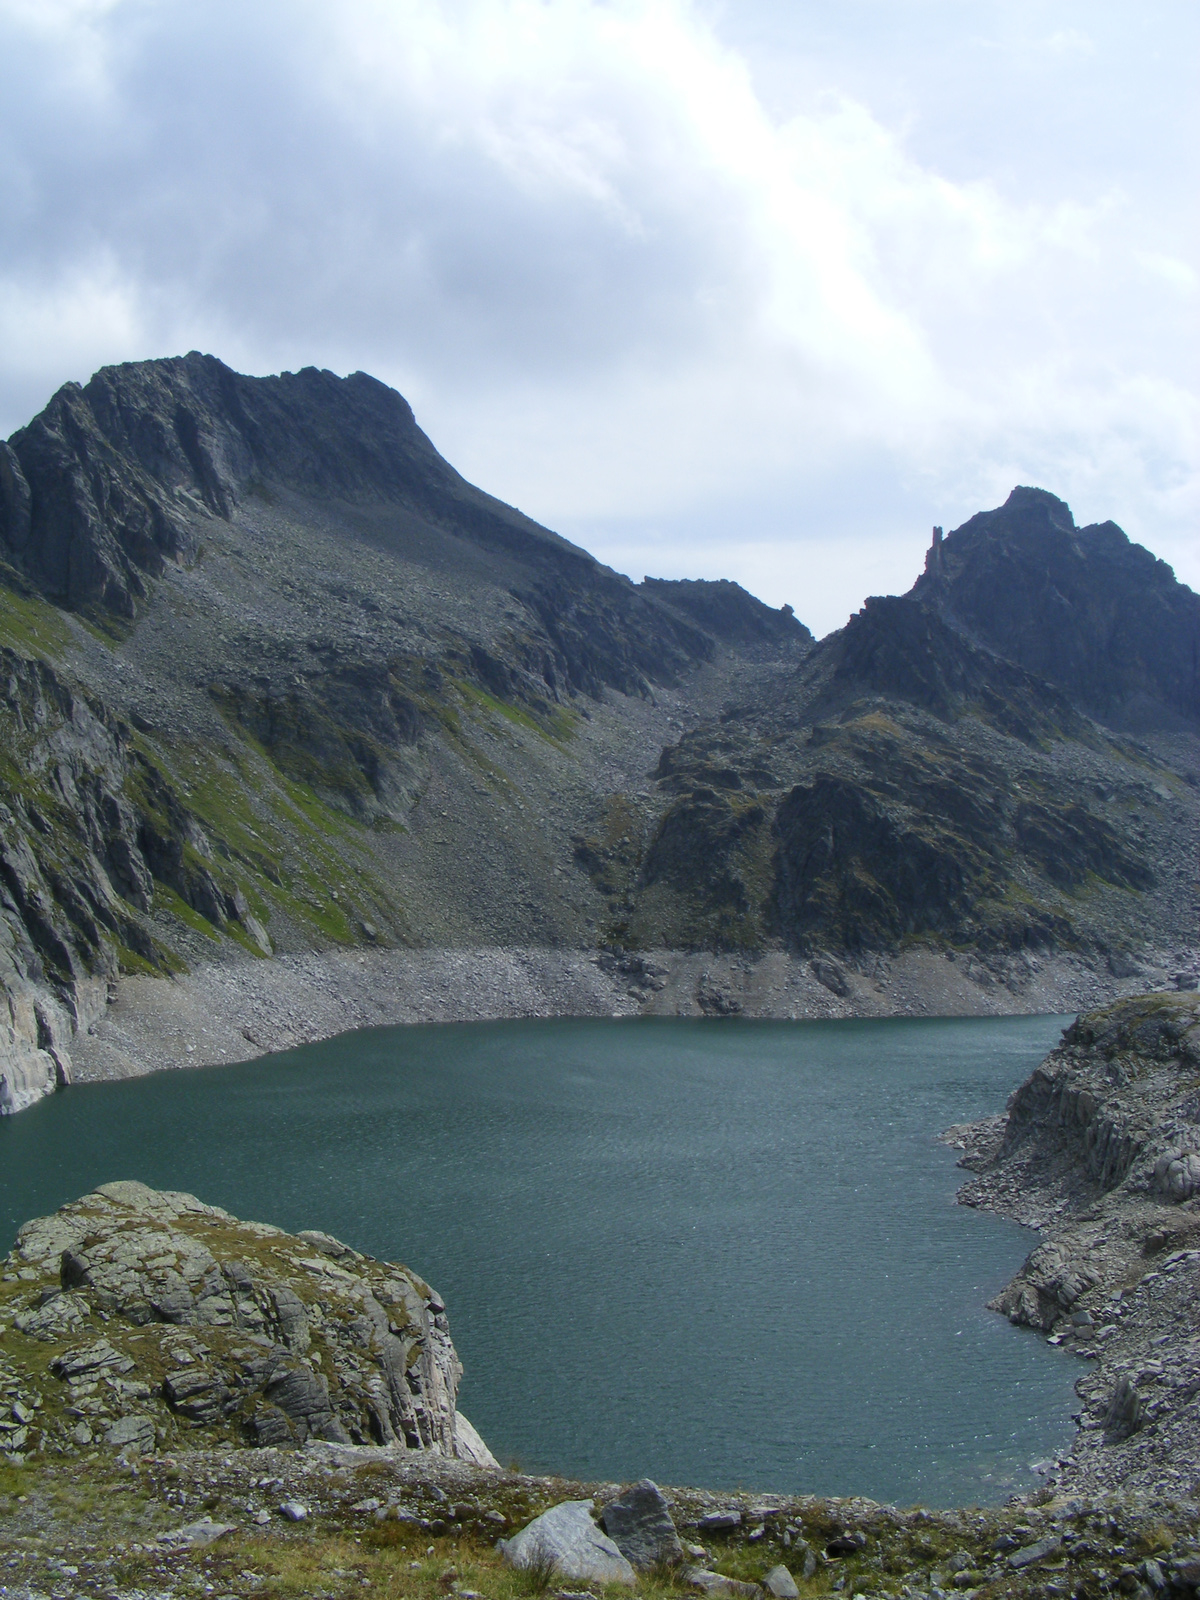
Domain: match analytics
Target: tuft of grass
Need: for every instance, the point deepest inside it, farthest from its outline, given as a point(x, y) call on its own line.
point(539, 1574)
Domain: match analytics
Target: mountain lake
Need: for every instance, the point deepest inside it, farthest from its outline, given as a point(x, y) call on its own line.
point(714, 1252)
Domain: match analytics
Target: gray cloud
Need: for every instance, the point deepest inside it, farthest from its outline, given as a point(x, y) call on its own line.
point(737, 288)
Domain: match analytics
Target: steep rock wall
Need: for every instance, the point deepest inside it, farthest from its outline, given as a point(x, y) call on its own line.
point(141, 1318)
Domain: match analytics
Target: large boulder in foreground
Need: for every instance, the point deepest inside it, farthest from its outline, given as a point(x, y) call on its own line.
point(566, 1542)
point(135, 1318)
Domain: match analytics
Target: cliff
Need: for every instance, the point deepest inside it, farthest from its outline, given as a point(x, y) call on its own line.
point(1100, 1149)
point(140, 1320)
point(1085, 609)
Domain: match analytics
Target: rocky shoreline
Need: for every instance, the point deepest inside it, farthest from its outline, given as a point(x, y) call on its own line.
point(237, 1010)
point(1100, 1150)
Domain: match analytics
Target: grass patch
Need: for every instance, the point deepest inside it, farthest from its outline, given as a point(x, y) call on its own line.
point(133, 965)
point(166, 899)
point(32, 625)
point(557, 727)
point(292, 847)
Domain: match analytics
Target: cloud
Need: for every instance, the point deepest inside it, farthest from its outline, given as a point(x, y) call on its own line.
point(619, 290)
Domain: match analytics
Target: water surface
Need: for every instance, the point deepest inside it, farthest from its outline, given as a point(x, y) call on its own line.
point(713, 1252)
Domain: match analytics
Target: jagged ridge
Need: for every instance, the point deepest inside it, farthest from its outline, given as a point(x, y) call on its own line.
point(279, 677)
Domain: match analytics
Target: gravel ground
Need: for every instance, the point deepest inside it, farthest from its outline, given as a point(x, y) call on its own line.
point(333, 1522)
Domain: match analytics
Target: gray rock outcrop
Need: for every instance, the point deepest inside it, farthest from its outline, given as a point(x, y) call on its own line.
point(716, 1583)
point(168, 1319)
point(1100, 1149)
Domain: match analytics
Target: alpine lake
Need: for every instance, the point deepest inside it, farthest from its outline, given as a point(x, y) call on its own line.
point(721, 1252)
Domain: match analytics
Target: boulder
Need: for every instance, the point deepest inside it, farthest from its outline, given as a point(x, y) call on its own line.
point(195, 1536)
point(640, 1526)
point(720, 1522)
point(1177, 1174)
point(715, 1583)
point(131, 1433)
point(781, 1584)
point(566, 1540)
point(1030, 1554)
point(1126, 1411)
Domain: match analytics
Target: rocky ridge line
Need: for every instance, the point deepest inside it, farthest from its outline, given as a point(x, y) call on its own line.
point(276, 680)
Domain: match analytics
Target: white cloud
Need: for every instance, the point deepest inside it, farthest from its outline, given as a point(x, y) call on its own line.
point(1070, 42)
point(619, 289)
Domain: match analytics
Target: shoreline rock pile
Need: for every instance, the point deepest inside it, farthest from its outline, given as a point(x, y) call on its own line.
point(1100, 1149)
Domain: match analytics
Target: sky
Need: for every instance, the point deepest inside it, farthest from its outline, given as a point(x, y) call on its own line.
point(758, 289)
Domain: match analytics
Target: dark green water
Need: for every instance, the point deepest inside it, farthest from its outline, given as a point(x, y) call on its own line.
point(712, 1252)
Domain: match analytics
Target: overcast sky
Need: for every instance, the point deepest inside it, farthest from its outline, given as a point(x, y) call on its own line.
point(760, 289)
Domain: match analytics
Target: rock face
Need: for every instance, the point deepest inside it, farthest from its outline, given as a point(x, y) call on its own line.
point(1082, 608)
point(1099, 1149)
point(89, 833)
point(141, 1317)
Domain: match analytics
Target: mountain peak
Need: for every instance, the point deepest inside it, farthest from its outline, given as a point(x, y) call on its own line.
point(1085, 609)
point(114, 478)
point(1031, 504)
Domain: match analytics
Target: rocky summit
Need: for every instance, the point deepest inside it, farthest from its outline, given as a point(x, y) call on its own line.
point(275, 681)
point(139, 1320)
